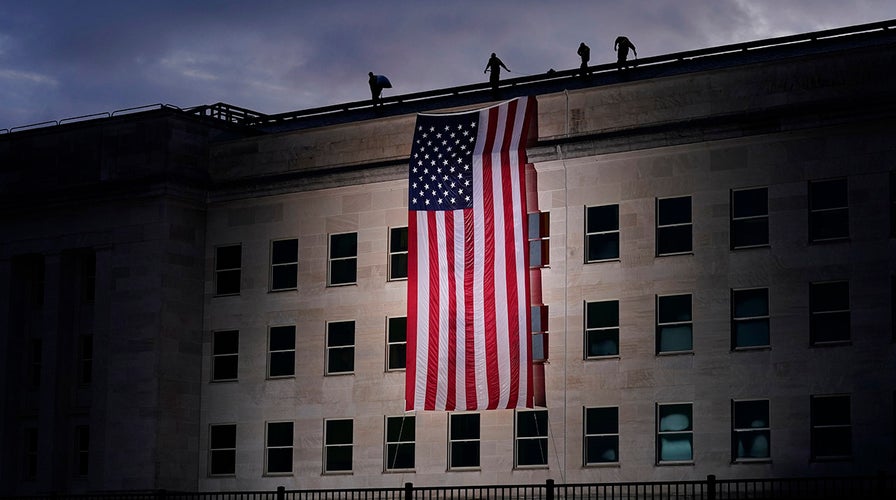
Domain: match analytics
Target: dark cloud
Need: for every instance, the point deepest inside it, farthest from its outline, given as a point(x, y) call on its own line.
point(68, 58)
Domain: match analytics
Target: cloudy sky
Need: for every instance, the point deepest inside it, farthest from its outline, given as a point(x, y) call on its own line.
point(61, 58)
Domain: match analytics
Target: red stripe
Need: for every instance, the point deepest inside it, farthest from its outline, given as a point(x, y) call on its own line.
point(410, 379)
point(528, 289)
point(489, 306)
point(452, 310)
point(469, 346)
point(432, 375)
point(513, 316)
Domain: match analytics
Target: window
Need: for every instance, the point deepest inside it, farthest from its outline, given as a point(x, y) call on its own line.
point(227, 270)
point(35, 362)
point(674, 433)
point(531, 438)
point(397, 338)
point(463, 440)
point(278, 450)
point(222, 449)
point(400, 447)
point(87, 269)
point(539, 239)
point(601, 233)
point(398, 253)
point(284, 264)
point(749, 318)
point(749, 218)
point(601, 329)
point(225, 355)
point(85, 359)
point(601, 435)
point(343, 259)
point(674, 327)
point(831, 427)
point(673, 226)
point(340, 347)
point(829, 312)
point(29, 447)
point(282, 351)
point(828, 210)
point(82, 450)
point(338, 445)
point(750, 431)
point(539, 332)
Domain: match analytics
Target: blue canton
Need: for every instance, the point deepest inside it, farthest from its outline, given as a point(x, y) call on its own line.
point(440, 172)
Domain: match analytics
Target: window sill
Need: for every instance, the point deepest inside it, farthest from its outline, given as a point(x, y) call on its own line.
point(281, 377)
point(689, 252)
point(399, 471)
point(223, 380)
point(337, 285)
point(531, 467)
point(752, 348)
point(750, 247)
point(337, 473)
point(278, 290)
point(465, 469)
point(599, 358)
point(605, 465)
point(675, 353)
point(235, 294)
point(615, 259)
point(832, 343)
point(390, 280)
point(338, 374)
point(839, 239)
point(674, 464)
point(748, 461)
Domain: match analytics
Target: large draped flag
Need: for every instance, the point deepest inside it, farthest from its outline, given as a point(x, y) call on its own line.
point(468, 321)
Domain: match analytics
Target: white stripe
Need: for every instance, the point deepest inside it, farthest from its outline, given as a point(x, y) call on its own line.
point(478, 264)
point(519, 223)
point(460, 344)
point(442, 305)
point(422, 298)
point(502, 325)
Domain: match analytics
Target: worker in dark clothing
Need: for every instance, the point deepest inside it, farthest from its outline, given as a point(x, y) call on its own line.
point(494, 65)
point(621, 47)
point(585, 53)
point(375, 88)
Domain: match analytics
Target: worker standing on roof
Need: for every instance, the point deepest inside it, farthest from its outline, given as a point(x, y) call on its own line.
point(494, 65)
point(585, 53)
point(621, 47)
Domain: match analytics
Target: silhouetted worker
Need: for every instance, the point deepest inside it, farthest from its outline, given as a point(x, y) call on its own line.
point(375, 88)
point(585, 53)
point(494, 65)
point(621, 47)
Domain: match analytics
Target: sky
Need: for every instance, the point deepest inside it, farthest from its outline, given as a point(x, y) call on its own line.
point(61, 59)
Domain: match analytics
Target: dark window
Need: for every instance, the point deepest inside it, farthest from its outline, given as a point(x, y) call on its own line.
point(85, 359)
point(674, 432)
point(601, 435)
point(829, 312)
point(82, 450)
point(749, 218)
point(398, 253)
point(463, 437)
point(750, 431)
point(397, 338)
point(531, 438)
point(340, 347)
point(539, 332)
point(343, 259)
point(225, 355)
point(282, 351)
point(284, 264)
point(227, 270)
point(539, 239)
point(338, 445)
point(749, 318)
point(88, 275)
point(601, 329)
point(673, 226)
point(674, 324)
point(601, 233)
point(30, 448)
point(279, 448)
point(831, 427)
point(35, 365)
point(400, 447)
point(828, 210)
point(222, 450)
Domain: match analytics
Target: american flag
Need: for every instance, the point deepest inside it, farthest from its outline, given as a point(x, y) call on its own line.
point(468, 288)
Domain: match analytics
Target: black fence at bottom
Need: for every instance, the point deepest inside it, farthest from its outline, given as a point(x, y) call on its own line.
point(880, 487)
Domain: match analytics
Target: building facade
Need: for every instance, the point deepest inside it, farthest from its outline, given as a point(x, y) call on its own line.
point(200, 305)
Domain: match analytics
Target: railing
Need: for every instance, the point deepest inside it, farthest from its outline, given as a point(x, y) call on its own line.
point(880, 487)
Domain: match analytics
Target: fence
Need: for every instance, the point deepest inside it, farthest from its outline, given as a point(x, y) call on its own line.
point(879, 487)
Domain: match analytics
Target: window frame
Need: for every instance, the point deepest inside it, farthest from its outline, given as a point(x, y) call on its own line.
point(271, 352)
point(814, 314)
point(218, 450)
point(336, 260)
point(81, 458)
point(268, 448)
point(393, 254)
point(542, 437)
point(30, 453)
point(737, 431)
point(540, 320)
point(85, 359)
point(400, 443)
point(748, 219)
point(461, 441)
point(216, 356)
point(607, 232)
point(735, 320)
point(221, 270)
point(541, 222)
point(275, 266)
point(329, 348)
point(814, 427)
point(586, 437)
point(661, 227)
point(609, 327)
point(814, 212)
point(396, 344)
point(659, 324)
point(688, 431)
point(328, 445)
